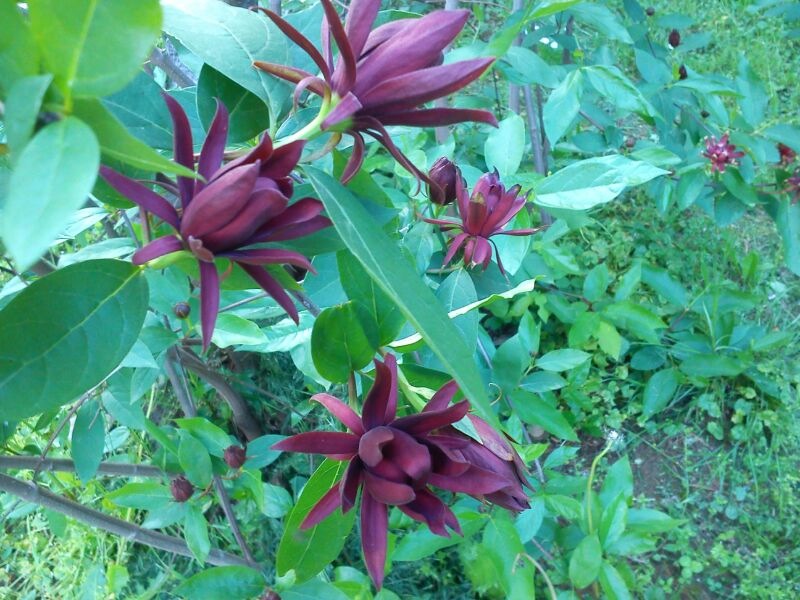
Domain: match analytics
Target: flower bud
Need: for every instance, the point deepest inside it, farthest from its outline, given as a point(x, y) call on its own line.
point(270, 595)
point(630, 141)
point(444, 174)
point(787, 154)
point(234, 456)
point(704, 113)
point(674, 38)
point(650, 11)
point(682, 72)
point(181, 310)
point(181, 489)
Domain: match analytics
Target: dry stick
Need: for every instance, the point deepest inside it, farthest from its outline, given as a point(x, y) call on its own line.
point(178, 380)
point(241, 413)
point(63, 464)
point(167, 60)
point(514, 89)
point(307, 302)
point(30, 492)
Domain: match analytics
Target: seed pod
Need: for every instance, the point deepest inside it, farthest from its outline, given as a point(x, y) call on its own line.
point(704, 114)
point(181, 489)
point(682, 73)
point(181, 310)
point(234, 456)
point(444, 174)
point(674, 38)
point(650, 11)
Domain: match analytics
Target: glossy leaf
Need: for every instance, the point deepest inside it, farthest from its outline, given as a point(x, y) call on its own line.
point(231, 583)
point(22, 107)
point(504, 146)
point(308, 551)
point(344, 339)
point(596, 283)
point(19, 56)
point(195, 529)
point(562, 106)
point(248, 113)
point(532, 409)
point(379, 256)
point(88, 436)
point(562, 360)
point(94, 48)
point(613, 584)
point(618, 480)
point(140, 107)
point(67, 349)
point(148, 495)
point(230, 39)
point(52, 179)
point(195, 461)
point(659, 391)
point(613, 520)
point(117, 144)
point(233, 330)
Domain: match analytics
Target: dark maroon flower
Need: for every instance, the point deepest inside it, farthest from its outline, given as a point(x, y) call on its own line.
point(394, 460)
point(181, 489)
point(793, 186)
point(232, 208)
point(443, 176)
point(383, 76)
point(721, 153)
point(787, 154)
point(234, 456)
point(674, 38)
point(683, 73)
point(483, 215)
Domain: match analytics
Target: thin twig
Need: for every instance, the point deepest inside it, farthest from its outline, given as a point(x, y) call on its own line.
point(307, 302)
point(30, 492)
point(167, 60)
point(66, 465)
point(541, 570)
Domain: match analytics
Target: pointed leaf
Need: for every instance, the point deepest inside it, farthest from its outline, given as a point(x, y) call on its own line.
point(231, 583)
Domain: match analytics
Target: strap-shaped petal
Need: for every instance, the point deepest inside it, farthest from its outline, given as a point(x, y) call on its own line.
point(209, 300)
point(141, 195)
point(319, 442)
point(356, 158)
point(436, 117)
point(299, 39)
point(346, 415)
point(344, 75)
point(273, 288)
point(422, 423)
point(163, 245)
point(183, 146)
point(213, 147)
point(374, 526)
point(326, 505)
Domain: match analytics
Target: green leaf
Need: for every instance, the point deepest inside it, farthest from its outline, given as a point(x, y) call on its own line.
point(636, 319)
point(615, 87)
point(358, 285)
point(712, 365)
point(596, 283)
point(668, 287)
point(87, 318)
point(53, 177)
point(618, 480)
point(316, 590)
point(613, 520)
point(601, 18)
point(564, 506)
point(504, 146)
point(344, 339)
point(510, 362)
point(88, 436)
point(233, 330)
point(19, 56)
point(534, 410)
point(422, 542)
point(94, 48)
point(587, 183)
point(379, 256)
point(787, 220)
point(117, 144)
point(609, 339)
point(140, 107)
point(523, 66)
point(195, 529)
point(648, 520)
point(562, 360)
point(277, 501)
point(659, 391)
point(230, 39)
point(545, 8)
point(562, 106)
point(259, 454)
point(308, 551)
point(248, 114)
point(22, 107)
point(212, 437)
point(613, 584)
point(585, 563)
point(231, 583)
point(542, 381)
point(194, 460)
point(529, 521)
point(148, 495)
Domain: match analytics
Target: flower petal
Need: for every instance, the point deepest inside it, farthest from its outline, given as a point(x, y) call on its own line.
point(213, 147)
point(474, 481)
point(326, 505)
point(372, 443)
point(380, 405)
point(374, 526)
point(302, 211)
point(141, 195)
point(429, 509)
point(387, 492)
point(355, 160)
point(347, 107)
point(319, 442)
point(344, 74)
point(283, 160)
point(455, 244)
point(262, 152)
point(209, 300)
point(350, 483)
point(361, 15)
point(437, 117)
point(273, 288)
point(299, 39)
point(408, 454)
point(183, 146)
point(160, 247)
point(270, 256)
point(409, 90)
point(341, 411)
point(422, 423)
point(441, 399)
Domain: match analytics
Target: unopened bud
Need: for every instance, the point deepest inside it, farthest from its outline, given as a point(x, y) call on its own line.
point(444, 174)
point(704, 114)
point(650, 11)
point(682, 72)
point(181, 489)
point(234, 456)
point(270, 595)
point(630, 142)
point(674, 38)
point(181, 310)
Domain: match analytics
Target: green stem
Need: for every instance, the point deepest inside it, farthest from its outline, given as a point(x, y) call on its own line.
point(312, 129)
point(595, 462)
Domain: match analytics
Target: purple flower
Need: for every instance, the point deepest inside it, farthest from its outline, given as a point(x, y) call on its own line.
point(787, 155)
point(793, 186)
point(483, 215)
point(443, 176)
point(394, 460)
point(674, 38)
point(383, 76)
point(234, 456)
point(721, 153)
point(233, 207)
point(181, 489)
